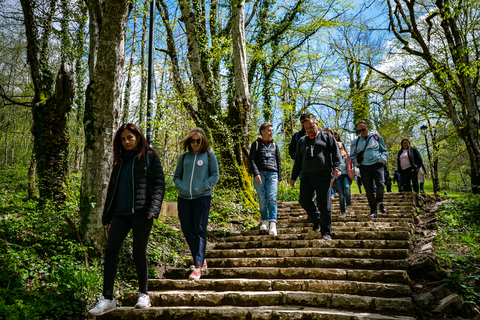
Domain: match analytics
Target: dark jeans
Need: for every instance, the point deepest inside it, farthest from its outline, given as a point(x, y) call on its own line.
point(408, 177)
point(193, 216)
point(119, 228)
point(322, 213)
point(373, 175)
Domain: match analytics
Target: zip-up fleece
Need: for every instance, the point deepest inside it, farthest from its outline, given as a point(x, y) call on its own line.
point(148, 188)
point(374, 152)
point(196, 175)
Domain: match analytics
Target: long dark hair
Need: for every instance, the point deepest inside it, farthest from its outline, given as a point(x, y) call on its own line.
point(118, 148)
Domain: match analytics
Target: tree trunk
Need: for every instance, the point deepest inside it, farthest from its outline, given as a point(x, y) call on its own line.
point(31, 178)
point(102, 111)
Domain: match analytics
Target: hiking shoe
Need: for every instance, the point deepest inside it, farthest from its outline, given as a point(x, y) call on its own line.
point(326, 236)
point(316, 228)
point(341, 215)
point(204, 266)
point(350, 210)
point(196, 274)
point(103, 306)
point(382, 207)
point(374, 214)
point(143, 301)
point(264, 225)
point(273, 228)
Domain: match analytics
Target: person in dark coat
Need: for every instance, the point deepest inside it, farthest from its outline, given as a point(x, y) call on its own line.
point(396, 179)
point(388, 179)
point(409, 161)
point(292, 147)
point(134, 198)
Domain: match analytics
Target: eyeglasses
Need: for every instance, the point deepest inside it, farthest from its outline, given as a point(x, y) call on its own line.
point(192, 141)
point(361, 130)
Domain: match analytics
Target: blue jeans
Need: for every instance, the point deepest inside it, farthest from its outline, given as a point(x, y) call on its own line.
point(193, 216)
point(267, 195)
point(344, 193)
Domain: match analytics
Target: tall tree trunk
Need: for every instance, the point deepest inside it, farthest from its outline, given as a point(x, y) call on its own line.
point(131, 63)
point(102, 110)
point(143, 70)
point(31, 178)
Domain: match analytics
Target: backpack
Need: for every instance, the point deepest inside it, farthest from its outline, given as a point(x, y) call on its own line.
point(360, 154)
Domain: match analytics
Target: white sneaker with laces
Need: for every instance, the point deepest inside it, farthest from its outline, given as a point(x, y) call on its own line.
point(273, 228)
point(103, 306)
point(143, 301)
point(350, 210)
point(264, 225)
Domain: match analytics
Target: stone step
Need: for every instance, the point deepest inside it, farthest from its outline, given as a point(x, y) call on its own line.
point(387, 290)
point(304, 242)
point(363, 275)
point(262, 253)
point(399, 306)
point(382, 218)
point(242, 313)
point(336, 235)
point(298, 231)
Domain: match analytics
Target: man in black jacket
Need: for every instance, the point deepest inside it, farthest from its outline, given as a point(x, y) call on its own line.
point(317, 158)
point(292, 147)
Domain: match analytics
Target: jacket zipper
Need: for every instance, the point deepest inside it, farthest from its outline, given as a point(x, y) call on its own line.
point(191, 178)
point(116, 183)
point(133, 185)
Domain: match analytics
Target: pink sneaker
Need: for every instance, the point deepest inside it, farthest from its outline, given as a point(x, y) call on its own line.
point(202, 267)
point(196, 274)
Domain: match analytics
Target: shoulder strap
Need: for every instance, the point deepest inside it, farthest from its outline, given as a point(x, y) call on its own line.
point(296, 136)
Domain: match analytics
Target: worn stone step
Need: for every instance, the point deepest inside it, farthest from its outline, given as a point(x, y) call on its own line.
point(242, 313)
point(399, 306)
point(304, 242)
point(297, 231)
point(364, 275)
point(390, 290)
point(382, 218)
point(262, 255)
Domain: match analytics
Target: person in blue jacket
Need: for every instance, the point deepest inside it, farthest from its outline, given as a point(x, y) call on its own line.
point(195, 176)
point(369, 154)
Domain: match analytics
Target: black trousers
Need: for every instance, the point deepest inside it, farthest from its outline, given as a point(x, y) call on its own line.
point(322, 213)
point(370, 174)
point(119, 228)
point(409, 177)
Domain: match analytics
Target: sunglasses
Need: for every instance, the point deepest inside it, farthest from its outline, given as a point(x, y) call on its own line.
point(192, 141)
point(361, 130)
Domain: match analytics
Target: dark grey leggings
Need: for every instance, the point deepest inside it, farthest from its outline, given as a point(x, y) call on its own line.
point(119, 228)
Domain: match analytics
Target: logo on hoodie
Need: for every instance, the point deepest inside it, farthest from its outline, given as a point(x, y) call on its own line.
point(200, 163)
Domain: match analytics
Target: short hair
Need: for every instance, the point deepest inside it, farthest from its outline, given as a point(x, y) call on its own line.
point(204, 143)
point(362, 122)
point(264, 126)
point(310, 117)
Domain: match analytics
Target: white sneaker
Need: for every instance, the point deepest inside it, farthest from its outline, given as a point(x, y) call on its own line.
point(103, 306)
point(264, 225)
point(273, 228)
point(350, 210)
point(143, 301)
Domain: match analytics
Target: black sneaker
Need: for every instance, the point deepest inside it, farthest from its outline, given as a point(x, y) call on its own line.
point(326, 236)
point(316, 228)
point(373, 214)
point(382, 207)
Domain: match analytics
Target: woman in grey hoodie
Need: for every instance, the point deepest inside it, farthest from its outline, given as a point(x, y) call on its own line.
point(195, 176)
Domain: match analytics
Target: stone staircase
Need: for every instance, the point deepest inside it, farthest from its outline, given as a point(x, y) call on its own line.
point(360, 274)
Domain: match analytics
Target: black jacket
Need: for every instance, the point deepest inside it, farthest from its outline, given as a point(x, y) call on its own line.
point(326, 155)
point(148, 188)
point(292, 147)
point(415, 158)
point(259, 160)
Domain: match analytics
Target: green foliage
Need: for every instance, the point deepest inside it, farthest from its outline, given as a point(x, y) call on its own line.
point(459, 245)
point(227, 207)
point(287, 193)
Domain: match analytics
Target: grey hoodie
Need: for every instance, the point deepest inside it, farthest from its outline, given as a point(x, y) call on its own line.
point(196, 175)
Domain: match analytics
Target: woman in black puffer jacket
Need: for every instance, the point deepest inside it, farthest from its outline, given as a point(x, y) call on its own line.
point(134, 197)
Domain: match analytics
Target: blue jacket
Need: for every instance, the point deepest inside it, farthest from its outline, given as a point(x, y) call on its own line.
point(374, 152)
point(196, 175)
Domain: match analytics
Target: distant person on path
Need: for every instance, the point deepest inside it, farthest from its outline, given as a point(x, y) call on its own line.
point(422, 177)
point(134, 197)
point(267, 173)
point(388, 179)
point(318, 159)
point(343, 182)
point(369, 154)
point(292, 147)
point(195, 176)
point(358, 179)
point(409, 161)
point(397, 180)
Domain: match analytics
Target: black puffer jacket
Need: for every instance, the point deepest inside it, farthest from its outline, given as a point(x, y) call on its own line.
point(260, 161)
point(148, 195)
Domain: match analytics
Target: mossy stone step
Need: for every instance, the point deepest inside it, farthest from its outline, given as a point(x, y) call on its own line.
point(389, 290)
point(242, 313)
